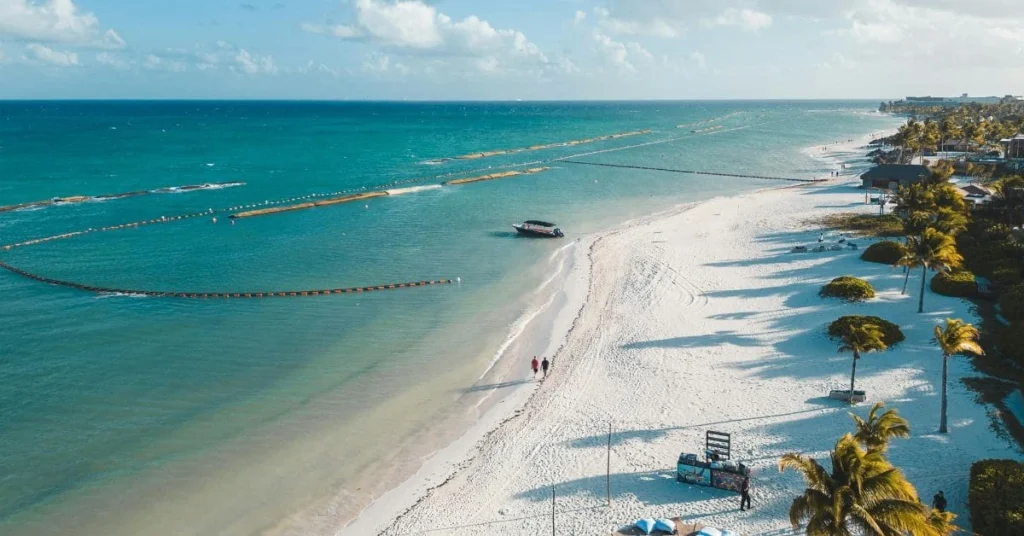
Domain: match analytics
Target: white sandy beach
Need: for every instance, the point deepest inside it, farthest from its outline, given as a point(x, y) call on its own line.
point(700, 319)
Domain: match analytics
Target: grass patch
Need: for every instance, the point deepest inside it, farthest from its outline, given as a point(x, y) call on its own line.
point(888, 225)
point(884, 252)
point(956, 284)
point(892, 334)
point(848, 288)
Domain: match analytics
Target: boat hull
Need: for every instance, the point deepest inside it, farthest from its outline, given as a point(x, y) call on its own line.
point(538, 233)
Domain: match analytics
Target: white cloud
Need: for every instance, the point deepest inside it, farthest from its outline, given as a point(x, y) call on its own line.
point(905, 31)
point(111, 40)
point(223, 55)
point(621, 55)
point(613, 52)
point(43, 54)
point(413, 27)
point(699, 59)
point(157, 63)
point(313, 67)
point(110, 60)
point(580, 16)
point(747, 19)
point(250, 64)
point(337, 30)
point(54, 21)
point(381, 63)
point(837, 63)
point(655, 26)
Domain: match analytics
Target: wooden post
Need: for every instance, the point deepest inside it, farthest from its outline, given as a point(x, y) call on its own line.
point(608, 470)
point(552, 510)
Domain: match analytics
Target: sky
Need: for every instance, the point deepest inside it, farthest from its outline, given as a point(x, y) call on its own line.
point(509, 49)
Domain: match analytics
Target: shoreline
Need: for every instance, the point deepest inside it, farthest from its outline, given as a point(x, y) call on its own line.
point(753, 337)
point(444, 465)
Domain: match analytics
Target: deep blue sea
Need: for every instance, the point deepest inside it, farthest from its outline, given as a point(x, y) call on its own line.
point(133, 415)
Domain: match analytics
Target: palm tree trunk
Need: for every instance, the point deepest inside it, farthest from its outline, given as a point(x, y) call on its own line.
point(853, 374)
point(942, 412)
point(906, 279)
point(920, 300)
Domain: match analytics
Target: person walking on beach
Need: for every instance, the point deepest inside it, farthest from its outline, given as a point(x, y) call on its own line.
point(544, 365)
point(939, 502)
point(745, 495)
point(534, 365)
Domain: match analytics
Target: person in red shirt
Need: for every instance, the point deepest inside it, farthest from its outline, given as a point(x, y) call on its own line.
point(534, 365)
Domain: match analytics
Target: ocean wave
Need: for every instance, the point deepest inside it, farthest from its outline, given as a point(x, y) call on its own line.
point(195, 187)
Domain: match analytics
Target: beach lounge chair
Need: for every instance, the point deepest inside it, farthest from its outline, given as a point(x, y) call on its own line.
point(799, 249)
point(844, 395)
point(665, 525)
point(645, 525)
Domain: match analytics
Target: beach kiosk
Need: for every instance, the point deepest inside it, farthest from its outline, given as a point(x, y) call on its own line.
point(716, 469)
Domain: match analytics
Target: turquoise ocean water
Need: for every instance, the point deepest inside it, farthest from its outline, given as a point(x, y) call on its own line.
point(127, 415)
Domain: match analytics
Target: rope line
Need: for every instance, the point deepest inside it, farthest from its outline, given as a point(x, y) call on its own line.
point(692, 172)
point(214, 295)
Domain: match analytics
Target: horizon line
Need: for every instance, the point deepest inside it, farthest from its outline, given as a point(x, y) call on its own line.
point(437, 101)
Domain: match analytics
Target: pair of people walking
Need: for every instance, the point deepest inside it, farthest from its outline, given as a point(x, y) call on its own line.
point(542, 364)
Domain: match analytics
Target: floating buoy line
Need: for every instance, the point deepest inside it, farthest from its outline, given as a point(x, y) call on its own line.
point(315, 200)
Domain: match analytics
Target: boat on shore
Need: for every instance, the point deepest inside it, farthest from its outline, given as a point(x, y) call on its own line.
point(538, 229)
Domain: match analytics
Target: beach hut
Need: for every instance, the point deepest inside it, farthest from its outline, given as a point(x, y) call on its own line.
point(892, 176)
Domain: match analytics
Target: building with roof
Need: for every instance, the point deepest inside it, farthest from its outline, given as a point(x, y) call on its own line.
point(975, 194)
point(892, 176)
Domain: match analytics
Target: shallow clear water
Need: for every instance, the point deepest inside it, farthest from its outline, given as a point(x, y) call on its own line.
point(120, 413)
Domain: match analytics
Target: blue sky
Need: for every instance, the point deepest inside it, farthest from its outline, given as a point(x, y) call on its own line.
point(509, 49)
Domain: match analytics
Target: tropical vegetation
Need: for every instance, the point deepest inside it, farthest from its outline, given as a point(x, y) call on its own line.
point(861, 492)
point(880, 428)
point(858, 340)
point(958, 284)
point(839, 328)
point(932, 250)
point(996, 497)
point(955, 338)
point(884, 252)
point(848, 288)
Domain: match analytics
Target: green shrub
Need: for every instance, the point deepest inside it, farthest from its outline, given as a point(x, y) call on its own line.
point(1011, 342)
point(1006, 273)
point(892, 333)
point(996, 497)
point(1011, 303)
point(884, 252)
point(848, 288)
point(958, 284)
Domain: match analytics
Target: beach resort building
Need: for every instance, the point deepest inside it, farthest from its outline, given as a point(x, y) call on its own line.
point(975, 194)
point(892, 176)
point(1014, 148)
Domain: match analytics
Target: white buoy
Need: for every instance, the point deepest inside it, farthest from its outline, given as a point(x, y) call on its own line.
point(458, 279)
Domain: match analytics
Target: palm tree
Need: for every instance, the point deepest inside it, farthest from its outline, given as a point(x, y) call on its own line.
point(950, 129)
point(862, 494)
point(876, 432)
point(958, 337)
point(860, 339)
point(915, 225)
point(932, 250)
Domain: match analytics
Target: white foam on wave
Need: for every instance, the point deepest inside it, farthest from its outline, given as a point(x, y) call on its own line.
point(519, 326)
point(413, 189)
point(106, 295)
